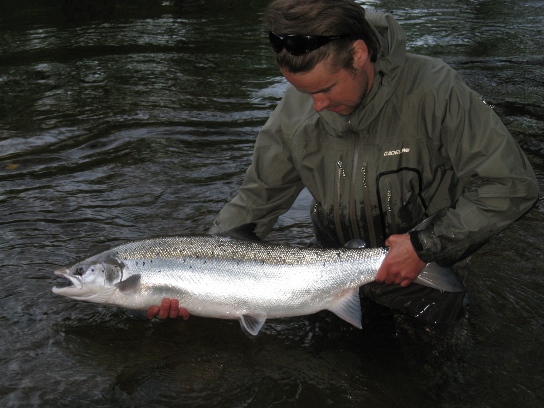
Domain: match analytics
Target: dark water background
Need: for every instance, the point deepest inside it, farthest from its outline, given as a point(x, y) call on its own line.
point(126, 119)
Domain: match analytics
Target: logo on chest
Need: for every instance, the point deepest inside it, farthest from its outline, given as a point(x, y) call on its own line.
point(397, 152)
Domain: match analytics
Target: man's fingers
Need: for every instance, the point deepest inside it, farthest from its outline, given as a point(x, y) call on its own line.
point(152, 312)
point(168, 308)
point(389, 280)
point(165, 308)
point(174, 308)
point(382, 273)
point(184, 313)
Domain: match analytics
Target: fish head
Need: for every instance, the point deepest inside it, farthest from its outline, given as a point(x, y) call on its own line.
point(92, 280)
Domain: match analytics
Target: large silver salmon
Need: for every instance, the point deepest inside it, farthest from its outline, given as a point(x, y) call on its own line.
point(234, 279)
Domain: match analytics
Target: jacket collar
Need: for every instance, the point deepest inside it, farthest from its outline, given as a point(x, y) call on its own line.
point(388, 68)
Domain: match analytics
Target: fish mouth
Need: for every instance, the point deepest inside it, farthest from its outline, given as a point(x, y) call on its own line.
point(75, 282)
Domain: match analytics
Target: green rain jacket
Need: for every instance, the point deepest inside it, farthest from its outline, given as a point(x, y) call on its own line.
point(421, 142)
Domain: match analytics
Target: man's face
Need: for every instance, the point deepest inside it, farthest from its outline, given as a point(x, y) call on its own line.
point(340, 91)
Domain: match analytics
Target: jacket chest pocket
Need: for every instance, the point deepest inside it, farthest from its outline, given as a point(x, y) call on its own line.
point(400, 199)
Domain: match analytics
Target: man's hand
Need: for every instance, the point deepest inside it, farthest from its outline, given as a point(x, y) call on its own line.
point(168, 308)
point(401, 264)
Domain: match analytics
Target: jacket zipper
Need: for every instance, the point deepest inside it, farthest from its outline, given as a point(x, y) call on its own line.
point(368, 210)
point(354, 221)
point(351, 202)
point(392, 217)
point(340, 173)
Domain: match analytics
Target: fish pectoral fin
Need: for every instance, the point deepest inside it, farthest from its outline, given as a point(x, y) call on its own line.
point(348, 308)
point(251, 324)
point(130, 284)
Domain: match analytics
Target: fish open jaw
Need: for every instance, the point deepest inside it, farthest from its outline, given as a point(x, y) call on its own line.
point(65, 273)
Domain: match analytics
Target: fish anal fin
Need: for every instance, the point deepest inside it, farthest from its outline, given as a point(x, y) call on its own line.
point(130, 284)
point(348, 308)
point(252, 324)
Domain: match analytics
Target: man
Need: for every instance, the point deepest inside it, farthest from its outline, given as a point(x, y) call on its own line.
point(382, 139)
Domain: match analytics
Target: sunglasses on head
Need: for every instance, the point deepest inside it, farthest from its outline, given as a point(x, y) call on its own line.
point(298, 44)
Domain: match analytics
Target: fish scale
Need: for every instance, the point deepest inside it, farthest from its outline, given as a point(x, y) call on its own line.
point(233, 279)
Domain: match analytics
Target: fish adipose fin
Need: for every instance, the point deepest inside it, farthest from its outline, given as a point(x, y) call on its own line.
point(349, 308)
point(439, 277)
point(355, 244)
point(252, 324)
point(130, 284)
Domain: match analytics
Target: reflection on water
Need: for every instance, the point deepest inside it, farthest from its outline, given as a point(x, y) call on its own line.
point(125, 119)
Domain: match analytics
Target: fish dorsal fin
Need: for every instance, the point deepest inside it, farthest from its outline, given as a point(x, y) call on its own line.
point(349, 308)
point(439, 277)
point(251, 324)
point(130, 284)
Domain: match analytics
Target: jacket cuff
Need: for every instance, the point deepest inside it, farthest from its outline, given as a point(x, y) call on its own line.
point(418, 246)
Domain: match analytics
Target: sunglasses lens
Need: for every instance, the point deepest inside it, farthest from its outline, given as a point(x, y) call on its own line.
point(300, 44)
point(297, 44)
point(275, 41)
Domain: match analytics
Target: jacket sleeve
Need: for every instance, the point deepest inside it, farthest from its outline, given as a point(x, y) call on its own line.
point(270, 186)
point(498, 183)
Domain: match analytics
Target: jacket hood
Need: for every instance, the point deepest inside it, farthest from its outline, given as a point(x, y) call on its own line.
point(388, 74)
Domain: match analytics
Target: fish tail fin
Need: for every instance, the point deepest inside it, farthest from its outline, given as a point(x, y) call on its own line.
point(439, 277)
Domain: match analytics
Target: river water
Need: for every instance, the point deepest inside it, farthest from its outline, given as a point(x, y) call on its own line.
point(125, 119)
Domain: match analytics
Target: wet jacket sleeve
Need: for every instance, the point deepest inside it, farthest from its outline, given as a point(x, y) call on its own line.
point(270, 186)
point(498, 183)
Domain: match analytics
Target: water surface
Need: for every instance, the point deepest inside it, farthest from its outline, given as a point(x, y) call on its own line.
point(122, 120)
